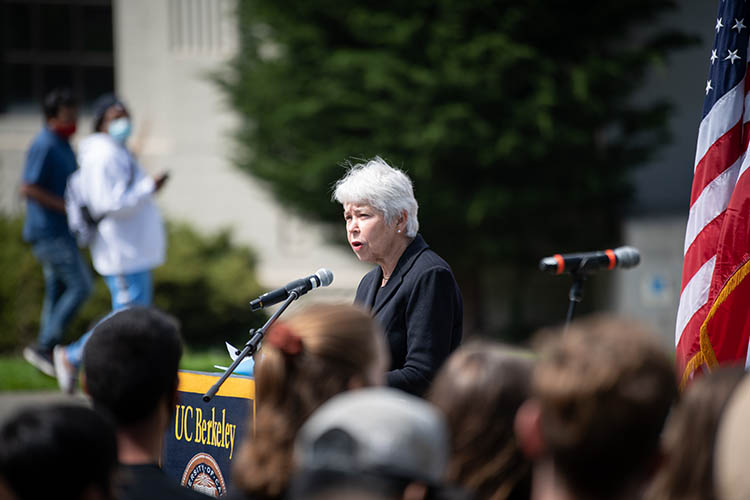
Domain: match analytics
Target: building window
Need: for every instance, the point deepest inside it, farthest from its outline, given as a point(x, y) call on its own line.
point(54, 43)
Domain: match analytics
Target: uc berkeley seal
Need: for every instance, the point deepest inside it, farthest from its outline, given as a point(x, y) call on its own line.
point(204, 475)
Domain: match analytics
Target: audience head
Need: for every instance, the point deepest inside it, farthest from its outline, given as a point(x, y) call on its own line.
point(688, 439)
point(732, 453)
point(382, 187)
point(63, 452)
point(61, 112)
point(379, 440)
point(130, 364)
point(303, 362)
point(601, 392)
point(479, 389)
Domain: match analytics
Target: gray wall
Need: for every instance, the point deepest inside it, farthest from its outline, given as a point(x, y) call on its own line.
point(658, 217)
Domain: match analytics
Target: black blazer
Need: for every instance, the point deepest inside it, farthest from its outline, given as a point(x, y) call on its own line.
point(421, 311)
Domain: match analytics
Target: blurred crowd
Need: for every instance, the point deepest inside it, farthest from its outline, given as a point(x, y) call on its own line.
point(591, 411)
point(375, 401)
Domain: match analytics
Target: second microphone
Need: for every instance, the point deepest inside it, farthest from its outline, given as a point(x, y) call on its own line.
point(322, 277)
point(586, 262)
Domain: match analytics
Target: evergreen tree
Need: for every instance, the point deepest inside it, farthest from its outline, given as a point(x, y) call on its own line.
point(515, 120)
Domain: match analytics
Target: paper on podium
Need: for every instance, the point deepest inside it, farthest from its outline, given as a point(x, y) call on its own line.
point(246, 365)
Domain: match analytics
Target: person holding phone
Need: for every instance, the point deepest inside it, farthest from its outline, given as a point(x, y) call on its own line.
point(130, 240)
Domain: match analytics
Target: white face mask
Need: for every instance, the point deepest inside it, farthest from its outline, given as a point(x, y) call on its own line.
point(120, 129)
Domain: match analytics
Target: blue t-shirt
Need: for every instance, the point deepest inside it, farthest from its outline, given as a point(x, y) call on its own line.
point(49, 163)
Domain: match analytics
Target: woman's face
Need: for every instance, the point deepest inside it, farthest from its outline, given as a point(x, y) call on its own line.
point(369, 236)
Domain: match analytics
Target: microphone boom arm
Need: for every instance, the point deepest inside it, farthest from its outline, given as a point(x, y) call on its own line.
point(252, 345)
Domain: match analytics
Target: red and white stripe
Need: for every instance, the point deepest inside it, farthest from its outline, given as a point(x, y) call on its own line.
point(720, 151)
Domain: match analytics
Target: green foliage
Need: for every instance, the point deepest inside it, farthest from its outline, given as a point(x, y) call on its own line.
point(21, 288)
point(19, 375)
point(206, 283)
point(205, 360)
point(512, 118)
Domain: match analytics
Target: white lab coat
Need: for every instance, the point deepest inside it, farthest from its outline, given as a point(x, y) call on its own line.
point(130, 238)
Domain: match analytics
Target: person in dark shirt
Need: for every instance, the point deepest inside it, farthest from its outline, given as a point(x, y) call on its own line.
point(49, 163)
point(130, 368)
point(411, 291)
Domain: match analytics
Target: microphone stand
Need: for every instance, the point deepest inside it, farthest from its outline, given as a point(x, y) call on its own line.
point(252, 345)
point(575, 295)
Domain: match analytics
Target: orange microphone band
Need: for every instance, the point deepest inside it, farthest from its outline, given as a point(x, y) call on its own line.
point(560, 263)
point(612, 258)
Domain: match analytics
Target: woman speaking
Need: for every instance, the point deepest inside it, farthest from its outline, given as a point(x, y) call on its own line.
point(412, 292)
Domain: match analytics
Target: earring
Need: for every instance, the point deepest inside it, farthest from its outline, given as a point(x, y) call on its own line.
point(398, 230)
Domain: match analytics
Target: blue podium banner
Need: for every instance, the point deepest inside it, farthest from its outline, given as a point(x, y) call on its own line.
point(203, 438)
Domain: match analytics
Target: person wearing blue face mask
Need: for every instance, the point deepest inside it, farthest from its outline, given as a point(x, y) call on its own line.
point(129, 240)
point(120, 128)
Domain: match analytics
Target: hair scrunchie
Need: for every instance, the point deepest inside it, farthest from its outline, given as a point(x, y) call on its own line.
point(284, 339)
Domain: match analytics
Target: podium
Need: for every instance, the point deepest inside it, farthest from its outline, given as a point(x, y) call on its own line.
point(203, 438)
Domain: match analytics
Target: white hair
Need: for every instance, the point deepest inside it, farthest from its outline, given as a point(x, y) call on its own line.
point(386, 189)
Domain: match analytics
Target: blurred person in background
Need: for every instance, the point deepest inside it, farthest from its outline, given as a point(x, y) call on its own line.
point(303, 362)
point(130, 370)
point(732, 446)
point(58, 451)
point(600, 394)
point(129, 239)
point(479, 390)
point(686, 472)
point(67, 280)
point(411, 292)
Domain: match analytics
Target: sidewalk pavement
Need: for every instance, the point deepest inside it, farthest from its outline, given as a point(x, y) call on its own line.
point(13, 401)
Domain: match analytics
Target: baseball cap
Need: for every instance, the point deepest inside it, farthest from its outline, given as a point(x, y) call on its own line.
point(375, 430)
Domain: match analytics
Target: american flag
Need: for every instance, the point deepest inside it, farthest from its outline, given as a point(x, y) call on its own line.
point(712, 316)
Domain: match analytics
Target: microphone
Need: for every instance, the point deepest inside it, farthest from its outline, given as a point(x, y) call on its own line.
point(624, 257)
point(322, 277)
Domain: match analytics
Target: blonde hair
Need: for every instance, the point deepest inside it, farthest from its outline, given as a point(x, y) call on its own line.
point(339, 344)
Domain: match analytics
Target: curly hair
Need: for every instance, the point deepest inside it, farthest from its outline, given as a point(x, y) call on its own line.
point(340, 344)
point(605, 388)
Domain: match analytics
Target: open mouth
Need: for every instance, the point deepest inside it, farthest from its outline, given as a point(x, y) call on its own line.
point(356, 245)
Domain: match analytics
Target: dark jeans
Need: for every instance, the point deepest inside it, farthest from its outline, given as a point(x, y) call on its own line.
point(67, 284)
